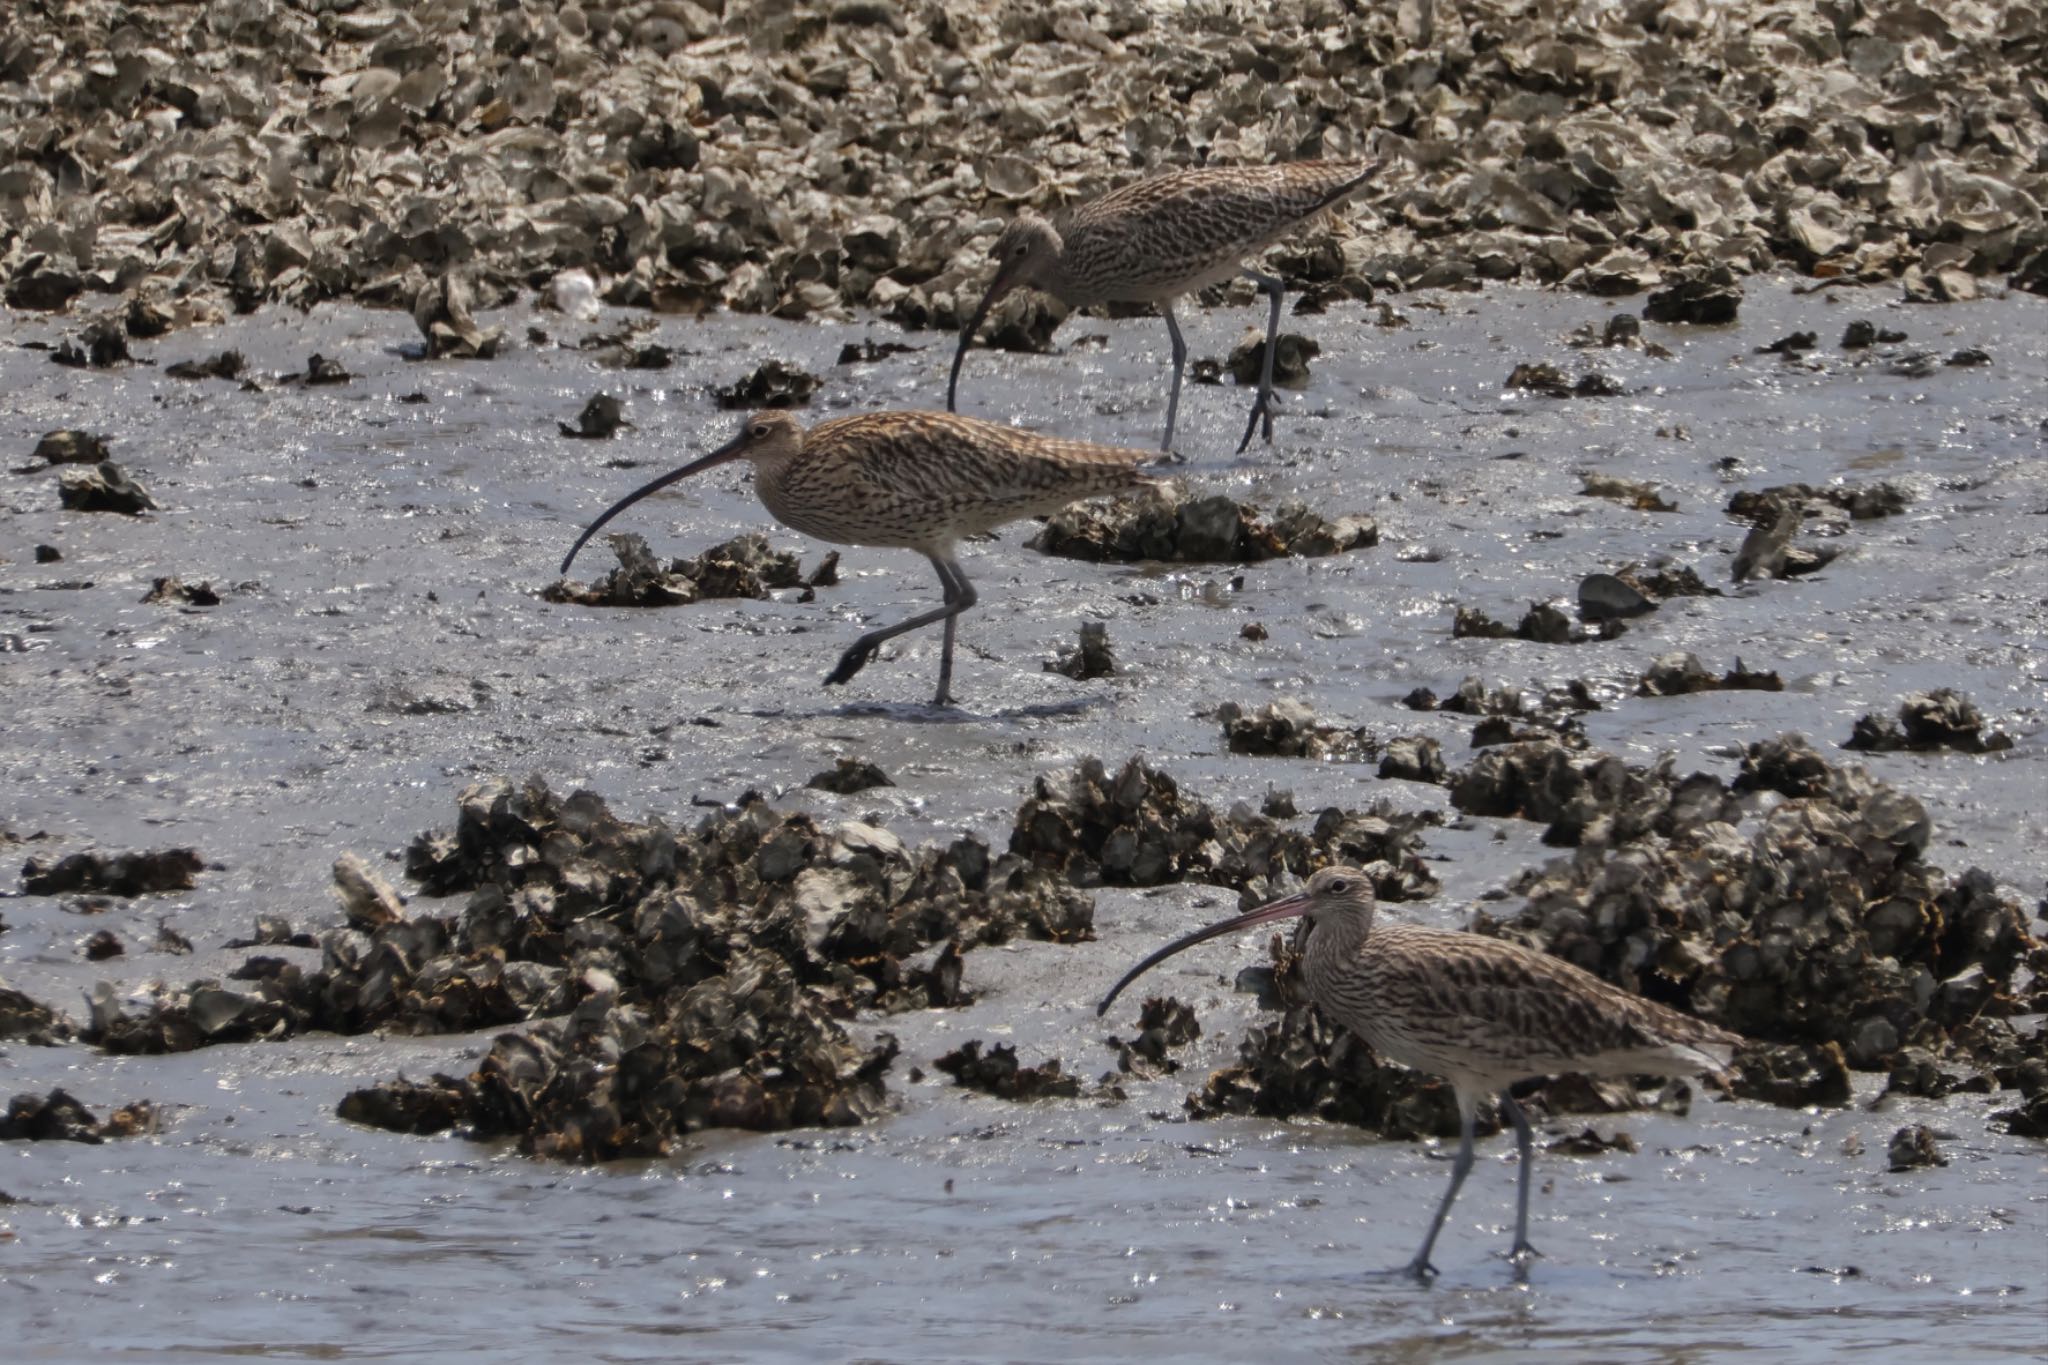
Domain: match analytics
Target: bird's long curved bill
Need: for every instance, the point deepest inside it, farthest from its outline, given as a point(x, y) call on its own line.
point(988, 301)
point(1285, 908)
point(718, 456)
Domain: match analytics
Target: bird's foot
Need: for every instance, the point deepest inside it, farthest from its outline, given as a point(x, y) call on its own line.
point(1262, 411)
point(851, 662)
point(1420, 1270)
point(1522, 1251)
point(944, 698)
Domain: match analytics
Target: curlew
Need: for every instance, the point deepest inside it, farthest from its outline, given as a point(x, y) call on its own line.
point(1157, 239)
point(907, 480)
point(1481, 1012)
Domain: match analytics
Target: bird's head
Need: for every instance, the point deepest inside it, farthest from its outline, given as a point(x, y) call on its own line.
point(768, 440)
point(1337, 896)
point(1026, 255)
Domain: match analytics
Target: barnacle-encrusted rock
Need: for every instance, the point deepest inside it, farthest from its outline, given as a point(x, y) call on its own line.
point(1137, 829)
point(848, 775)
point(744, 566)
point(998, 1072)
point(57, 1117)
point(693, 978)
point(113, 874)
point(683, 157)
point(1169, 525)
point(1680, 672)
point(1817, 923)
point(105, 487)
point(1090, 658)
point(772, 384)
point(1288, 729)
point(1941, 719)
point(30, 1021)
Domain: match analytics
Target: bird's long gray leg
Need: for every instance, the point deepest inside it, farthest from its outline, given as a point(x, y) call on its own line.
point(1468, 1110)
point(959, 597)
point(1525, 1154)
point(1180, 364)
point(960, 593)
point(1262, 406)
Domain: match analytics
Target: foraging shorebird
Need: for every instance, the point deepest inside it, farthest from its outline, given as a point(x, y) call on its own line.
point(1481, 1012)
point(1158, 239)
point(912, 480)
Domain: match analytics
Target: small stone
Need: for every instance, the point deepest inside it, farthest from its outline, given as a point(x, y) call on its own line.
point(773, 384)
point(1913, 1147)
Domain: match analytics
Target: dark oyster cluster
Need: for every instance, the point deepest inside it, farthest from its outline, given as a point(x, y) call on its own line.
point(744, 566)
point(1213, 529)
point(1137, 829)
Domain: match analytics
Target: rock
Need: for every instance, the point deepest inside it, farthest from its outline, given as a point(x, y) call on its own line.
point(849, 775)
point(1941, 719)
point(999, 1073)
point(773, 384)
point(1792, 343)
point(57, 1117)
point(102, 945)
point(1700, 296)
point(176, 592)
point(105, 487)
point(441, 308)
point(1552, 382)
point(1414, 758)
point(113, 874)
point(1091, 658)
point(1136, 829)
point(1606, 597)
point(1721, 905)
point(1764, 551)
point(225, 365)
point(1679, 672)
point(598, 421)
point(1628, 492)
point(1292, 353)
point(105, 346)
point(29, 1021)
point(1863, 333)
point(1793, 1076)
point(744, 566)
point(71, 447)
point(321, 370)
point(1163, 1024)
point(367, 900)
point(1912, 1147)
point(1288, 729)
point(1168, 525)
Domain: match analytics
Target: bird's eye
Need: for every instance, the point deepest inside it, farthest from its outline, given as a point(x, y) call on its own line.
point(1020, 251)
point(1339, 887)
point(758, 431)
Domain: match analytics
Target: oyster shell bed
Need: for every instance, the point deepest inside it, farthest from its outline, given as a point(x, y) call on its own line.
point(167, 165)
point(688, 981)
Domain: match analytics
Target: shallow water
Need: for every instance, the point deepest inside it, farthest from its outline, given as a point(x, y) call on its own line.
point(381, 644)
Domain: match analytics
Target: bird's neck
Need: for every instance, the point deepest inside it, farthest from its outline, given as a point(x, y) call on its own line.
point(1334, 943)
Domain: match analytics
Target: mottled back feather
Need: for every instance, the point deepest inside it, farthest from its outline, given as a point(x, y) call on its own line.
point(1485, 1012)
point(1165, 235)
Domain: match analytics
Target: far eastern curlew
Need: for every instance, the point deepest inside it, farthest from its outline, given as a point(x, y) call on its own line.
point(913, 480)
point(1158, 239)
point(1481, 1012)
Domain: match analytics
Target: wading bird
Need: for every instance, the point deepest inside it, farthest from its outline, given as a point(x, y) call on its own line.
point(1481, 1012)
point(912, 480)
point(1157, 239)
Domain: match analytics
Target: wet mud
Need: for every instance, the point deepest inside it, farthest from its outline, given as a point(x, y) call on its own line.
point(641, 966)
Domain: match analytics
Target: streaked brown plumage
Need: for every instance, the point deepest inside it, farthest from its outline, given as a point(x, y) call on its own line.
point(1157, 239)
point(1481, 1012)
point(911, 480)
